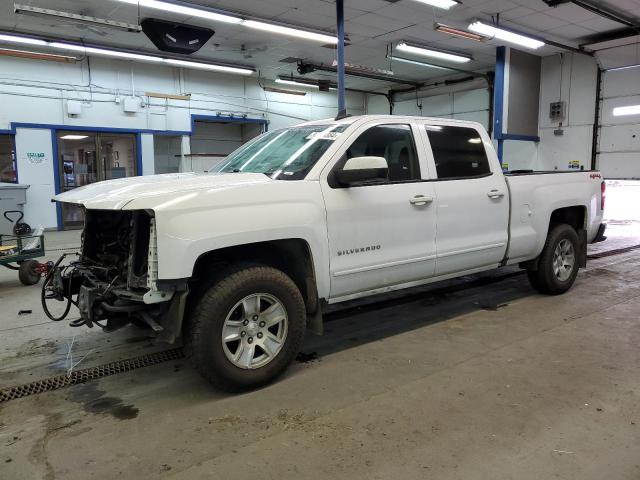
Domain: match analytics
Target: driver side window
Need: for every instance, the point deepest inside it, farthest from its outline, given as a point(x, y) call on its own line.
point(393, 142)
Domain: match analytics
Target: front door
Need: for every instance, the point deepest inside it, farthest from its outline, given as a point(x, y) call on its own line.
point(382, 234)
point(89, 157)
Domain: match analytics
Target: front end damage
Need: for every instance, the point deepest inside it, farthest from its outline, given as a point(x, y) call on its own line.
point(114, 281)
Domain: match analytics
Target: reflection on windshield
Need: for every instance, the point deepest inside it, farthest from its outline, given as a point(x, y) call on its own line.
point(286, 154)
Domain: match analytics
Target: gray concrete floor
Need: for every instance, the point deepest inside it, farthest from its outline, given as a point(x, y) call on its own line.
point(476, 378)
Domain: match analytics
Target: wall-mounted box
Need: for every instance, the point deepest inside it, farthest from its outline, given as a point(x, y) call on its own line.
point(131, 104)
point(557, 111)
point(74, 107)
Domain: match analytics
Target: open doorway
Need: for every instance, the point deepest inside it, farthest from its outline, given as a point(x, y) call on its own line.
point(89, 157)
point(213, 140)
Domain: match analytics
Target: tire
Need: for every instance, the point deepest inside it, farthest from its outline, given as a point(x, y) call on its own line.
point(230, 306)
point(547, 279)
point(28, 274)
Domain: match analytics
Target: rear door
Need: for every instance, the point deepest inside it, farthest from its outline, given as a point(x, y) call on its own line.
point(382, 234)
point(472, 199)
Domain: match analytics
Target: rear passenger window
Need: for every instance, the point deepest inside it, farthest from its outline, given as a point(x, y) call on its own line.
point(458, 152)
point(395, 144)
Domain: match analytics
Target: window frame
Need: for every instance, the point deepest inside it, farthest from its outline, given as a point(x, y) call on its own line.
point(431, 157)
point(13, 156)
point(418, 144)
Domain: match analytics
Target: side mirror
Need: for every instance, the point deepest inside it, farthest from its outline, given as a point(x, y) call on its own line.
point(359, 170)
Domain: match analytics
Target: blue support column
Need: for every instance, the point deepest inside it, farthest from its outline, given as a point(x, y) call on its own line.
point(342, 109)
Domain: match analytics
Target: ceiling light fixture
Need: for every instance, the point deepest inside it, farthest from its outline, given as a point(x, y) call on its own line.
point(208, 66)
point(445, 4)
point(292, 32)
point(505, 35)
point(9, 52)
point(74, 137)
point(19, 39)
point(434, 53)
point(297, 84)
point(628, 110)
point(216, 15)
point(103, 51)
point(456, 32)
point(85, 19)
point(182, 8)
point(624, 67)
point(415, 62)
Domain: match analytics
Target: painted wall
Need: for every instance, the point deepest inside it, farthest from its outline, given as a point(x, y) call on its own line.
point(37, 92)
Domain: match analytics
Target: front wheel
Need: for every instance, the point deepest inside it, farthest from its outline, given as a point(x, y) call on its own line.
point(558, 262)
point(247, 328)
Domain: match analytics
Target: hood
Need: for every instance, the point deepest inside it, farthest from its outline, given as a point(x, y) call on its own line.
point(116, 194)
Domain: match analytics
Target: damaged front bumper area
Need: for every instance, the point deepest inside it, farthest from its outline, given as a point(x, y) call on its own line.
point(114, 282)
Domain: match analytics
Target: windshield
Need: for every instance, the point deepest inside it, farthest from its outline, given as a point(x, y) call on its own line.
point(286, 154)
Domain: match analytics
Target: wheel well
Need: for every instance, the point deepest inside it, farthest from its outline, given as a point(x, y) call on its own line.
point(574, 216)
point(292, 256)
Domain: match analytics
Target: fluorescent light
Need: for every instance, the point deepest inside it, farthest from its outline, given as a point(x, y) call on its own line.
point(506, 35)
point(430, 52)
point(292, 32)
point(17, 39)
point(9, 52)
point(446, 4)
point(298, 84)
point(416, 62)
point(456, 32)
point(185, 10)
point(624, 67)
point(208, 66)
point(74, 17)
point(74, 137)
point(103, 51)
point(628, 110)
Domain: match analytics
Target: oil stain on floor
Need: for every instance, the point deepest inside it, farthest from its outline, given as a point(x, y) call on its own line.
point(95, 401)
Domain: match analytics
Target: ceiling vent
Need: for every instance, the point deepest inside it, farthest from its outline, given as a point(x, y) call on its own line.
point(175, 37)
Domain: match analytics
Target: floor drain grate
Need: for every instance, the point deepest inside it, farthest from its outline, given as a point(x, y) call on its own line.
point(611, 253)
point(90, 373)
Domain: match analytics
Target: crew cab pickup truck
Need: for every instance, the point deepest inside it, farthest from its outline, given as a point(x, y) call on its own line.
point(240, 262)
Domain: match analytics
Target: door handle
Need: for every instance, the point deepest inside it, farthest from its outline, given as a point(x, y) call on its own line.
point(495, 194)
point(419, 200)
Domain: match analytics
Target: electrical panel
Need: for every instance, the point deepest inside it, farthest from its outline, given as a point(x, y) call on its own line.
point(74, 107)
point(131, 104)
point(557, 111)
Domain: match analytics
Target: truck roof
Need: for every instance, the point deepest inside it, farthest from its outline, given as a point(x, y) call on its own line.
point(356, 118)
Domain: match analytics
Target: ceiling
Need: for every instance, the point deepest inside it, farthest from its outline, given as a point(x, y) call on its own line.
point(370, 25)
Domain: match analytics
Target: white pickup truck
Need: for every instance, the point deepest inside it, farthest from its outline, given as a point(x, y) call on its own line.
point(239, 262)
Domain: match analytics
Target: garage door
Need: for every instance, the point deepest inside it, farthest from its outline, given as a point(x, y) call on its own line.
point(619, 136)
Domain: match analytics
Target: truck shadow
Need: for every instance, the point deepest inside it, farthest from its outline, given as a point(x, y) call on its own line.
point(359, 322)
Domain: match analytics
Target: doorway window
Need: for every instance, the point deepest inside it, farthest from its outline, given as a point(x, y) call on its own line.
point(8, 171)
point(89, 157)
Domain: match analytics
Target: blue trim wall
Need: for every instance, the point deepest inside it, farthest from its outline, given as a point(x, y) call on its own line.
point(139, 169)
point(56, 175)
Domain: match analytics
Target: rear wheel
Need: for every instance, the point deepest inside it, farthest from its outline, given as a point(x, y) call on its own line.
point(246, 328)
point(558, 262)
point(29, 273)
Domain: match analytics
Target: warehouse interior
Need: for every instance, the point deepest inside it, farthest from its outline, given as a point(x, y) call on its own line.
point(475, 376)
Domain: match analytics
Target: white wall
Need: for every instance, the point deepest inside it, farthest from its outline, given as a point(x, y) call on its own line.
point(37, 92)
point(571, 78)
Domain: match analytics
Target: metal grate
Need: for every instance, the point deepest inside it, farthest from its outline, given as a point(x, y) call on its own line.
point(611, 253)
point(90, 373)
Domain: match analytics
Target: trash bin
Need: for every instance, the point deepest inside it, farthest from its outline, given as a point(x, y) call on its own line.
point(12, 197)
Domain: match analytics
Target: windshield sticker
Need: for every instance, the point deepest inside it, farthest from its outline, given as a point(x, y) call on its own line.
point(331, 136)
